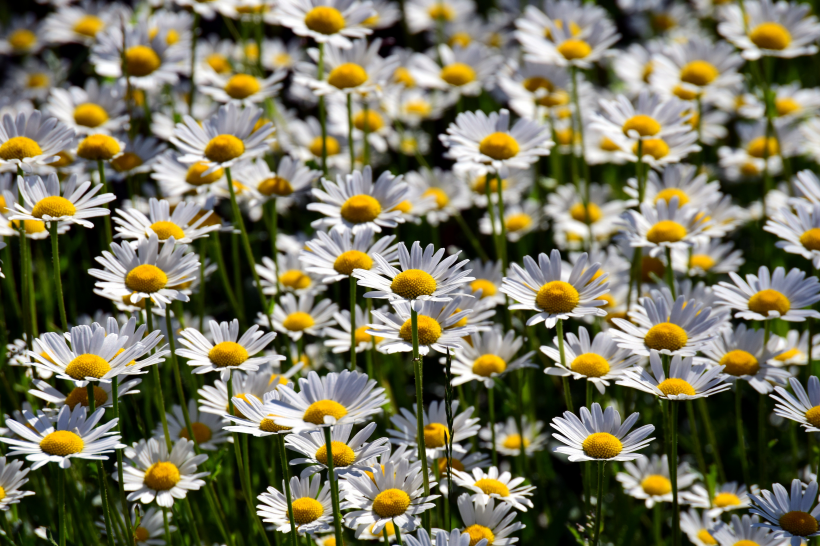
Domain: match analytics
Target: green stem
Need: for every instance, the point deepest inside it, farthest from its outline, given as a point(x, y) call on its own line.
point(352, 323)
point(120, 480)
point(166, 526)
point(465, 228)
point(741, 437)
point(61, 504)
point(351, 147)
point(503, 237)
point(761, 436)
point(491, 402)
point(366, 129)
point(670, 275)
point(690, 412)
point(599, 502)
point(107, 217)
point(279, 440)
point(673, 471)
point(559, 326)
point(194, 29)
point(223, 274)
point(398, 534)
point(178, 380)
point(334, 487)
point(322, 114)
point(58, 282)
point(160, 400)
point(710, 434)
point(418, 371)
point(491, 211)
point(273, 228)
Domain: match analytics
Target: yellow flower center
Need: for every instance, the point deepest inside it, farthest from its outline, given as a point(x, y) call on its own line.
point(499, 146)
point(126, 162)
point(798, 523)
point(674, 386)
point(441, 11)
point(458, 74)
point(161, 476)
point(196, 177)
point(590, 365)
point(298, 321)
point(19, 148)
point(666, 231)
point(666, 336)
point(350, 260)
point(811, 239)
point(791, 353)
point(761, 147)
point(574, 49)
point(478, 532)
point(363, 337)
point(307, 510)
point(98, 147)
point(146, 278)
point(295, 279)
point(224, 148)
point(642, 124)
point(227, 353)
point(513, 441)
point(608, 145)
point(706, 538)
point(739, 363)
point(492, 487)
point(557, 297)
point(770, 35)
point(391, 503)
point(769, 300)
point(347, 75)
point(269, 425)
point(722, 500)
point(53, 206)
point(64, 159)
point(317, 412)
point(656, 485)
point(487, 365)
point(371, 121)
point(165, 230)
point(89, 114)
point(441, 198)
point(62, 443)
point(219, 63)
point(32, 226)
point(669, 193)
point(403, 76)
point(22, 39)
point(325, 20)
point(87, 365)
point(141, 60)
point(331, 144)
point(342, 454)
point(487, 288)
point(746, 543)
point(536, 83)
point(413, 283)
point(275, 186)
point(242, 86)
point(202, 432)
point(813, 416)
point(436, 435)
point(655, 147)
point(79, 395)
point(602, 445)
point(786, 106)
point(589, 214)
point(360, 209)
point(749, 169)
point(88, 25)
point(429, 330)
point(454, 463)
point(518, 222)
point(141, 534)
point(699, 73)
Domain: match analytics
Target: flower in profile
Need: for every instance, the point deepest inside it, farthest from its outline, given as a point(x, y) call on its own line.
point(245, 89)
point(73, 435)
point(187, 222)
point(438, 326)
point(350, 455)
point(254, 416)
point(726, 497)
point(768, 296)
point(648, 479)
point(600, 436)
point(762, 28)
point(488, 356)
point(509, 439)
point(697, 527)
point(685, 380)
point(12, 478)
point(311, 502)
point(799, 231)
point(791, 515)
point(394, 495)
point(484, 520)
point(436, 431)
point(339, 340)
point(74, 204)
point(155, 474)
point(463, 70)
point(296, 317)
point(335, 22)
point(31, 139)
point(497, 485)
point(803, 406)
point(207, 428)
point(226, 353)
point(337, 254)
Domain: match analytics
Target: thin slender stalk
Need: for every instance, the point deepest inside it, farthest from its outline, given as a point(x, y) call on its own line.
point(194, 36)
point(465, 228)
point(690, 412)
point(107, 217)
point(741, 436)
point(599, 502)
point(398, 534)
point(166, 526)
point(673, 470)
point(60, 504)
point(559, 326)
point(223, 274)
point(366, 129)
point(160, 400)
point(418, 371)
point(334, 486)
point(352, 323)
point(279, 440)
point(491, 402)
point(178, 379)
point(761, 436)
point(503, 237)
point(120, 481)
point(710, 434)
point(58, 282)
point(351, 147)
point(491, 212)
point(320, 75)
point(580, 131)
point(273, 228)
point(589, 394)
point(670, 275)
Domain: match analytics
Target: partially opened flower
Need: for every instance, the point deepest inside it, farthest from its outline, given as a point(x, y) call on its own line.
point(311, 502)
point(156, 475)
point(648, 479)
point(510, 439)
point(436, 430)
point(768, 296)
point(697, 527)
point(349, 455)
point(246, 385)
point(207, 428)
point(339, 340)
point(254, 416)
point(725, 498)
point(79, 394)
point(799, 231)
point(600, 436)
point(791, 515)
point(497, 485)
point(456, 537)
point(226, 353)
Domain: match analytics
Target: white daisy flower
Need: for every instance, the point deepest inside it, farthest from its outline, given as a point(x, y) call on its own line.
point(208, 430)
point(335, 22)
point(246, 89)
point(793, 349)
point(765, 296)
point(395, 495)
point(541, 287)
point(438, 327)
point(186, 223)
point(695, 68)
point(484, 520)
point(803, 406)
point(81, 23)
point(22, 36)
point(600, 436)
point(356, 68)
point(146, 271)
point(354, 202)
point(208, 10)
point(151, 528)
point(94, 108)
point(714, 256)
point(339, 340)
point(478, 140)
point(685, 380)
point(747, 529)
point(312, 507)
point(727, 496)
point(350, 455)
point(697, 527)
point(226, 353)
point(227, 137)
point(648, 479)
point(456, 537)
point(175, 179)
point(791, 515)
point(336, 254)
point(280, 55)
point(79, 394)
point(44, 200)
point(509, 439)
point(156, 475)
point(681, 181)
point(463, 70)
point(769, 29)
point(666, 225)
point(288, 182)
point(800, 231)
point(497, 485)
point(599, 361)
point(758, 152)
point(214, 399)
point(436, 430)
point(537, 90)
point(427, 14)
point(488, 279)
point(73, 435)
point(31, 139)
point(488, 356)
point(253, 416)
point(450, 193)
point(138, 156)
point(298, 317)
point(519, 220)
point(342, 398)
point(12, 478)
point(599, 216)
point(305, 142)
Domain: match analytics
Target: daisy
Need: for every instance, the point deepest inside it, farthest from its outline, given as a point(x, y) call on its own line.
point(599, 436)
point(312, 506)
point(766, 29)
point(800, 232)
point(154, 474)
point(12, 478)
point(598, 362)
point(185, 224)
point(463, 70)
point(489, 356)
point(803, 406)
point(137, 157)
point(478, 140)
point(436, 430)
point(151, 528)
point(79, 394)
point(42, 200)
point(279, 55)
point(354, 202)
point(287, 274)
point(695, 68)
point(207, 428)
point(509, 439)
point(497, 485)
point(747, 529)
point(393, 496)
point(368, 113)
point(438, 326)
point(712, 257)
point(766, 297)
point(424, 15)
point(246, 89)
point(226, 353)
point(214, 399)
point(742, 353)
point(146, 271)
point(483, 520)
point(21, 36)
point(253, 416)
point(681, 181)
point(442, 538)
point(598, 216)
point(488, 279)
point(337, 254)
point(726, 497)
point(541, 287)
point(697, 526)
point(335, 22)
point(82, 23)
point(287, 183)
point(648, 479)
point(209, 10)
point(227, 137)
point(758, 152)
point(342, 398)
point(298, 317)
point(305, 142)
point(355, 69)
point(350, 455)
point(789, 514)
point(94, 108)
point(72, 435)
point(519, 220)
point(31, 139)
point(450, 193)
point(175, 179)
point(665, 226)
point(536, 90)
point(793, 349)
point(339, 340)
